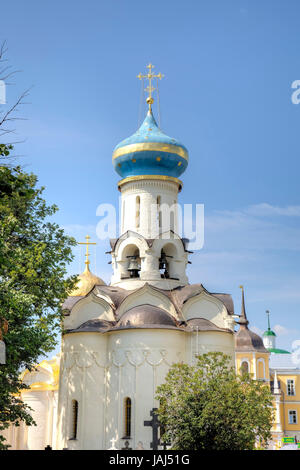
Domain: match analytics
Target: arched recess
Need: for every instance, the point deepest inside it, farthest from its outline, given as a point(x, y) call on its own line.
point(130, 261)
point(169, 249)
point(245, 367)
point(168, 261)
point(130, 251)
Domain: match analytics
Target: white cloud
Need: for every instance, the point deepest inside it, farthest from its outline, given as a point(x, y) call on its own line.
point(265, 209)
point(281, 330)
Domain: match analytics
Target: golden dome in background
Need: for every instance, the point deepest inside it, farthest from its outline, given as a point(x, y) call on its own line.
point(86, 282)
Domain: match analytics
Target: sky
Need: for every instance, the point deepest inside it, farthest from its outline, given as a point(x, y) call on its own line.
point(226, 95)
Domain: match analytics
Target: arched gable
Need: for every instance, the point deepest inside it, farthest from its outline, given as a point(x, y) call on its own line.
point(169, 238)
point(206, 306)
point(147, 295)
point(89, 308)
point(135, 239)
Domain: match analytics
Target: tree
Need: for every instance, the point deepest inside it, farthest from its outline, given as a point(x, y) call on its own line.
point(34, 254)
point(209, 407)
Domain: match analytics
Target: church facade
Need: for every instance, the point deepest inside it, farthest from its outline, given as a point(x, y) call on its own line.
point(120, 339)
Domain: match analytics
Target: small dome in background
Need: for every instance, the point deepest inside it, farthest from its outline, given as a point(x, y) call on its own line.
point(269, 339)
point(86, 282)
point(269, 333)
point(150, 152)
point(247, 340)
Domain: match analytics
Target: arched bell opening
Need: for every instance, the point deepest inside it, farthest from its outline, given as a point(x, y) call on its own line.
point(131, 261)
point(167, 260)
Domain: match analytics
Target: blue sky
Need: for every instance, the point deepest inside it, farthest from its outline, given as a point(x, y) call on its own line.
point(226, 96)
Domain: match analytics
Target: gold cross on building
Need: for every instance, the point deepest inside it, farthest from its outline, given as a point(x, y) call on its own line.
point(87, 243)
point(149, 76)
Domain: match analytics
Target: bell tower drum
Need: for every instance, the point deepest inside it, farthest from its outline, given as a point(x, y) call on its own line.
point(150, 164)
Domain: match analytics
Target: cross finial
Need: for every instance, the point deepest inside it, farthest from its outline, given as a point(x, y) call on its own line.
point(150, 75)
point(87, 243)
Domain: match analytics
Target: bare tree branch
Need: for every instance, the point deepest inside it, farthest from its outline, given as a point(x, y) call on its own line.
point(9, 115)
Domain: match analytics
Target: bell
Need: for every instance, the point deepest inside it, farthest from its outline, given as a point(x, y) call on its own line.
point(133, 268)
point(163, 261)
point(163, 265)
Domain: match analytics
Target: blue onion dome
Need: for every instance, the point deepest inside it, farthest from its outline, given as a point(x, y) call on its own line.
point(150, 152)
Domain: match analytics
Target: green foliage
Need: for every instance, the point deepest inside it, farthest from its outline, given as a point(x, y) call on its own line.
point(209, 407)
point(34, 254)
point(5, 149)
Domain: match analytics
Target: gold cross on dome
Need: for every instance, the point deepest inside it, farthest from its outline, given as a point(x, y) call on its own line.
point(150, 75)
point(87, 243)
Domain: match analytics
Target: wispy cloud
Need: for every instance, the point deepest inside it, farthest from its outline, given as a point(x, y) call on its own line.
point(246, 229)
point(281, 330)
point(265, 209)
point(257, 246)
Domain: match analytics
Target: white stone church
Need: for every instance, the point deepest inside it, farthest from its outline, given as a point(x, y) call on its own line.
point(120, 339)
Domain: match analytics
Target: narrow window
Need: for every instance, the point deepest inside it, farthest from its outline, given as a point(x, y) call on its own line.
point(74, 419)
point(261, 369)
point(172, 219)
point(173, 215)
point(127, 406)
point(158, 202)
point(290, 387)
point(292, 417)
point(123, 216)
point(137, 211)
point(245, 367)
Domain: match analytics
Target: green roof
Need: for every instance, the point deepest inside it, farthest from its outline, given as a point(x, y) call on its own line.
point(269, 333)
point(278, 351)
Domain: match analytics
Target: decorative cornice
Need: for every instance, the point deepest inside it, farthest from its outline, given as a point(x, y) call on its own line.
point(143, 187)
point(130, 179)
